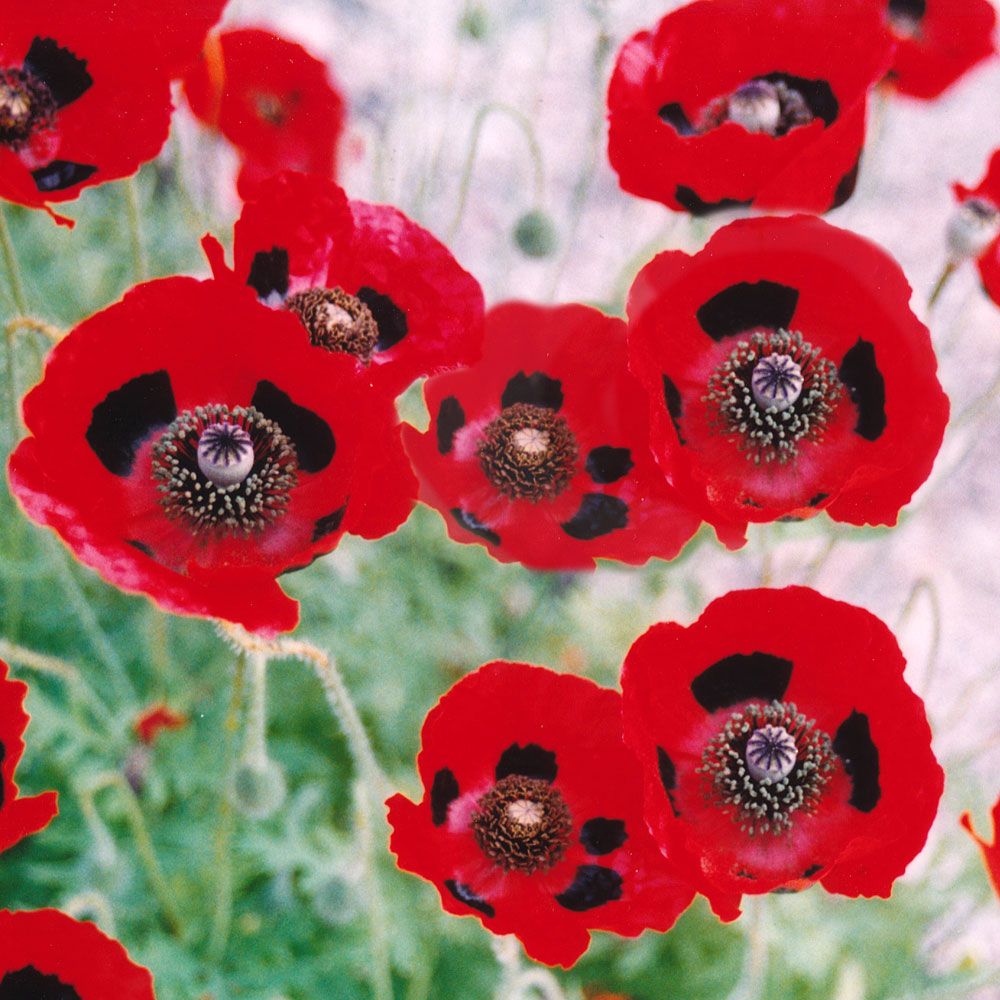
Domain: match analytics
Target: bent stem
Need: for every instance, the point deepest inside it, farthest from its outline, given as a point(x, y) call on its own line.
point(381, 974)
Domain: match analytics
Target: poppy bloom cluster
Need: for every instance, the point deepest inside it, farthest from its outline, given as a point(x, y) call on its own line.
point(363, 279)
point(728, 103)
point(937, 42)
point(189, 443)
point(974, 228)
point(768, 398)
point(85, 91)
point(780, 746)
point(46, 954)
point(542, 454)
point(531, 818)
point(272, 100)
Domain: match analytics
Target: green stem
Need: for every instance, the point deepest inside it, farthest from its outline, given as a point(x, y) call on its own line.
point(13, 271)
point(255, 732)
point(926, 587)
point(222, 916)
point(140, 264)
point(21, 304)
point(367, 816)
point(946, 273)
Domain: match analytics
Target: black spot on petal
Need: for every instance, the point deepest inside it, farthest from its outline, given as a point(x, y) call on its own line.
point(389, 318)
point(674, 115)
point(741, 677)
point(602, 836)
point(691, 202)
point(818, 499)
point(593, 886)
point(61, 174)
point(668, 776)
point(606, 464)
point(846, 185)
point(747, 305)
point(314, 442)
point(531, 761)
point(126, 417)
point(465, 895)
point(853, 745)
point(818, 94)
point(812, 870)
point(269, 273)
point(470, 522)
point(64, 73)
point(141, 546)
point(444, 791)
point(328, 524)
point(674, 403)
point(30, 984)
point(537, 389)
point(908, 10)
point(599, 514)
point(450, 418)
point(864, 381)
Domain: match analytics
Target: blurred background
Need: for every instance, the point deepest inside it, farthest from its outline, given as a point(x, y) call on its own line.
point(485, 122)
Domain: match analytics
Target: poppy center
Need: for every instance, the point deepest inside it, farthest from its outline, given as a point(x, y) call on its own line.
point(528, 452)
point(522, 824)
point(774, 391)
point(773, 107)
point(224, 472)
point(26, 106)
point(336, 321)
point(905, 16)
point(270, 108)
point(768, 765)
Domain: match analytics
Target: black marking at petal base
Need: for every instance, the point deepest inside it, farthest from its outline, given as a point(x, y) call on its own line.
point(668, 777)
point(818, 94)
point(389, 318)
point(599, 514)
point(846, 185)
point(314, 441)
point(64, 73)
point(692, 202)
point(818, 499)
point(606, 464)
point(141, 546)
point(269, 272)
point(61, 174)
point(536, 389)
point(444, 791)
point(859, 372)
point(741, 677)
point(530, 761)
point(602, 836)
point(465, 895)
point(674, 115)
point(470, 522)
point(812, 870)
point(910, 10)
point(853, 745)
point(125, 418)
point(674, 404)
point(450, 418)
point(30, 984)
point(744, 306)
point(743, 873)
point(328, 524)
point(594, 885)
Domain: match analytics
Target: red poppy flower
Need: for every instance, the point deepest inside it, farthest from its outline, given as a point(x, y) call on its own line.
point(154, 720)
point(272, 100)
point(737, 102)
point(991, 852)
point(938, 42)
point(363, 279)
point(85, 90)
point(188, 443)
point(532, 815)
point(19, 816)
point(781, 746)
point(974, 229)
point(786, 375)
point(46, 954)
point(541, 450)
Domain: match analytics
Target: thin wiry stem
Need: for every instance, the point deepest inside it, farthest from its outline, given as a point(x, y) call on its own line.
point(49, 330)
point(140, 263)
point(925, 586)
point(381, 971)
point(255, 731)
point(939, 285)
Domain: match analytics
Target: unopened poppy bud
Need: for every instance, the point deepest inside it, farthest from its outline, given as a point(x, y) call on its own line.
point(535, 234)
point(334, 893)
point(973, 226)
point(259, 788)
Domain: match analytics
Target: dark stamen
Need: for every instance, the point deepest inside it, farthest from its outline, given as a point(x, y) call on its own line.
point(771, 106)
point(336, 321)
point(26, 107)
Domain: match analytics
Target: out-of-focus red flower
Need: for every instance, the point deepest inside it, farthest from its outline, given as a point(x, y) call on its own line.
point(276, 103)
point(155, 719)
point(737, 102)
point(85, 90)
point(991, 852)
point(769, 396)
point(532, 814)
point(781, 747)
point(20, 816)
point(937, 42)
point(364, 279)
point(190, 444)
point(974, 229)
point(46, 954)
point(541, 450)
